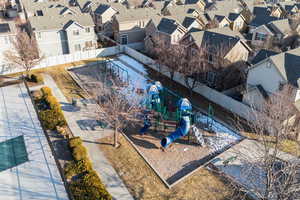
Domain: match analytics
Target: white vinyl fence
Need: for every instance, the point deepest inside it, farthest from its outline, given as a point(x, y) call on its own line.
point(67, 58)
point(226, 102)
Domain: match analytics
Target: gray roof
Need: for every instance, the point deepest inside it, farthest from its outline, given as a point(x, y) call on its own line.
point(288, 64)
point(136, 14)
point(262, 55)
point(54, 15)
point(214, 41)
point(42, 23)
point(262, 16)
point(168, 25)
point(233, 16)
point(280, 26)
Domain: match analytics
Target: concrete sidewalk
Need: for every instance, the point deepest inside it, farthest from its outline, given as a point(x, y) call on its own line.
point(81, 120)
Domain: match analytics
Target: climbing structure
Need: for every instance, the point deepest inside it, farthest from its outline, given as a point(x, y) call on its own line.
point(158, 111)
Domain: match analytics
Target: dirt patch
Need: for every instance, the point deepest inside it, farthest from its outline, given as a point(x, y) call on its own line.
point(143, 183)
point(181, 158)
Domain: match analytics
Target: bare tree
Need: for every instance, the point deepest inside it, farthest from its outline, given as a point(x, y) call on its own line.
point(169, 55)
point(25, 52)
point(270, 173)
point(194, 68)
point(118, 104)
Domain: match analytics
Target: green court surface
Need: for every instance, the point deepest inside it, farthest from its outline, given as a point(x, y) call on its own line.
point(12, 153)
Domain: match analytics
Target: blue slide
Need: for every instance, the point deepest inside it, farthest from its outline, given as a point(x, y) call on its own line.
point(154, 100)
point(184, 124)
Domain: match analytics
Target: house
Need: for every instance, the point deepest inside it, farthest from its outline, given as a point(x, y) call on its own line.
point(271, 34)
point(238, 22)
point(269, 75)
point(102, 13)
point(8, 31)
point(262, 16)
point(222, 21)
point(218, 46)
point(129, 26)
point(225, 12)
point(278, 11)
point(187, 15)
point(166, 29)
point(60, 28)
point(233, 48)
point(292, 8)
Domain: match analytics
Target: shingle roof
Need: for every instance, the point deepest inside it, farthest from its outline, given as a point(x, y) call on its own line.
point(214, 41)
point(261, 55)
point(58, 22)
point(288, 64)
point(167, 25)
point(280, 26)
point(233, 16)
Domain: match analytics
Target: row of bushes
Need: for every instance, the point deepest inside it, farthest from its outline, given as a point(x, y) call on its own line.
point(86, 184)
point(52, 117)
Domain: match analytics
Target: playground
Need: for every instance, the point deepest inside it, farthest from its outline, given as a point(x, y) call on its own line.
point(172, 136)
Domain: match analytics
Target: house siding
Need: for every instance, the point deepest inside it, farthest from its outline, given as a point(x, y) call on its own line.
point(80, 39)
point(262, 30)
point(260, 75)
point(238, 53)
point(50, 42)
point(5, 44)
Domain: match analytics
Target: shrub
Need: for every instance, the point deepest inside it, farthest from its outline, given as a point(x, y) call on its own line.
point(89, 187)
point(79, 152)
point(35, 78)
point(52, 118)
point(77, 167)
point(37, 94)
point(73, 142)
point(52, 103)
point(46, 91)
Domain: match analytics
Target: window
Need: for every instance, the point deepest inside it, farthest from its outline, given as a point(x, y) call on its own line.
point(210, 58)
point(260, 36)
point(76, 32)
point(77, 47)
point(39, 13)
point(124, 39)
point(211, 77)
point(87, 29)
point(39, 35)
point(88, 44)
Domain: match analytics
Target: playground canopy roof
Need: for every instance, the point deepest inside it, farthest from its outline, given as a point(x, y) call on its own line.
point(27, 167)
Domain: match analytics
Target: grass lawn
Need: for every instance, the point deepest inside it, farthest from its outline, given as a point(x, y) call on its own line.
point(286, 145)
point(62, 78)
point(143, 183)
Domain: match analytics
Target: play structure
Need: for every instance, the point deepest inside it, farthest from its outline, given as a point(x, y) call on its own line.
point(159, 109)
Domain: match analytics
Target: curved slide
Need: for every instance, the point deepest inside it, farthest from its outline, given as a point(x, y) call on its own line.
point(184, 125)
point(182, 130)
